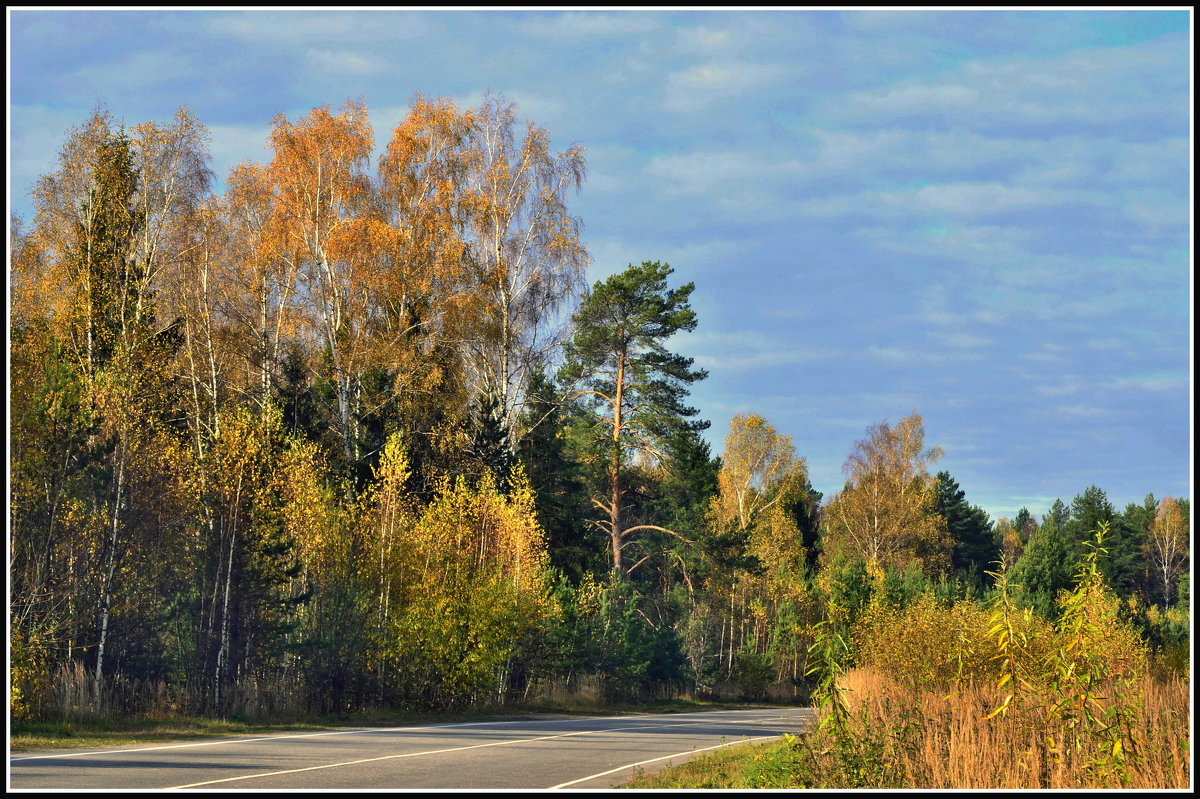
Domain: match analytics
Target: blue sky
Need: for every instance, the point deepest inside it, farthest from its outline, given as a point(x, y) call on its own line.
point(982, 216)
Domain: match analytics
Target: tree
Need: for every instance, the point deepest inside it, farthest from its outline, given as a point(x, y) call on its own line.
point(420, 299)
point(525, 250)
point(975, 542)
point(1012, 543)
point(618, 365)
point(1123, 545)
point(690, 478)
point(885, 513)
point(755, 462)
point(1167, 549)
point(1025, 524)
point(763, 488)
point(1043, 569)
point(561, 500)
point(321, 187)
point(1126, 569)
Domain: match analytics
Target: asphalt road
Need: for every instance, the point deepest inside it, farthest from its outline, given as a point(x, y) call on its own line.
point(544, 753)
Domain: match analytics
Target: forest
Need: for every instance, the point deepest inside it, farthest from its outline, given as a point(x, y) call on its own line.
point(349, 434)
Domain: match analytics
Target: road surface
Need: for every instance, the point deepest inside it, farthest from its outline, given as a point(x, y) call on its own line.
point(543, 753)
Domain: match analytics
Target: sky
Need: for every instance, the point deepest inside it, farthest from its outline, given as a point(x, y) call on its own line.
point(983, 216)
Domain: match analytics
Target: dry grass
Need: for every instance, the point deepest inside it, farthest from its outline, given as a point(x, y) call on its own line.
point(898, 737)
point(929, 739)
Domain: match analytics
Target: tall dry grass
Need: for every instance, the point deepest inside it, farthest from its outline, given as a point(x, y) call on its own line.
point(900, 736)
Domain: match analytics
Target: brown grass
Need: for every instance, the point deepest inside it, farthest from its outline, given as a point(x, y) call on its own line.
point(933, 740)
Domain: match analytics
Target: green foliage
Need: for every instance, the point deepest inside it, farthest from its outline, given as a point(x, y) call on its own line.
point(848, 587)
point(634, 655)
point(620, 371)
point(1079, 692)
point(248, 506)
point(622, 324)
point(861, 755)
point(557, 482)
point(975, 542)
point(1043, 570)
point(470, 582)
point(783, 765)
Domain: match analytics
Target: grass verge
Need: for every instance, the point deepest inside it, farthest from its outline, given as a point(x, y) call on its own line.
point(735, 766)
point(26, 736)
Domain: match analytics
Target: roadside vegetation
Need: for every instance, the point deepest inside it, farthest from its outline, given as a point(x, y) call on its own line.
point(959, 698)
point(352, 437)
point(89, 732)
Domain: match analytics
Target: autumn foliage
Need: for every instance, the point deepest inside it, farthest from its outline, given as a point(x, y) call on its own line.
point(353, 433)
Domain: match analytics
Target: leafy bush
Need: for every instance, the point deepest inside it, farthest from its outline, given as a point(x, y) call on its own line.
point(926, 644)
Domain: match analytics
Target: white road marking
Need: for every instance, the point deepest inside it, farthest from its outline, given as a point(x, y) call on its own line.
point(253, 739)
point(655, 760)
point(355, 732)
point(417, 754)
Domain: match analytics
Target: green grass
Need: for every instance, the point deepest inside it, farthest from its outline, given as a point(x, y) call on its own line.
point(735, 766)
point(27, 736)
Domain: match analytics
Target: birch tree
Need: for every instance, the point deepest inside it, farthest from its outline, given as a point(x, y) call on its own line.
point(885, 513)
point(525, 249)
point(756, 461)
point(319, 178)
point(1167, 547)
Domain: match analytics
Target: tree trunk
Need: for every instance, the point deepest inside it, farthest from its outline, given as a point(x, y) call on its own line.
point(110, 571)
point(614, 510)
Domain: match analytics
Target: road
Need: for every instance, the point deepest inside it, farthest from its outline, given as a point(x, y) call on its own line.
point(542, 753)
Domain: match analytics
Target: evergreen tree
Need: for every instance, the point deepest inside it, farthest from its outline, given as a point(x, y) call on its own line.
point(1025, 524)
point(1125, 567)
point(1043, 570)
point(1088, 511)
point(975, 544)
point(554, 475)
point(620, 369)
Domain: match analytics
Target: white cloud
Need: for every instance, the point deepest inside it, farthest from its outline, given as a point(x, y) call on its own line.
point(579, 24)
point(319, 27)
point(698, 86)
point(347, 62)
point(1090, 87)
point(915, 357)
point(1155, 383)
point(1083, 412)
point(36, 132)
point(906, 99)
point(1053, 354)
point(747, 350)
point(138, 71)
point(971, 198)
point(744, 34)
point(933, 307)
point(965, 341)
point(704, 40)
point(230, 145)
point(718, 172)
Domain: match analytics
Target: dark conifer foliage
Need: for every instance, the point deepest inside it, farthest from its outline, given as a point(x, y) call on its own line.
point(975, 543)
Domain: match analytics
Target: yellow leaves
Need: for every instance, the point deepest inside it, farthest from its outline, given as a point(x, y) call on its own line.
point(467, 537)
point(1002, 708)
point(886, 510)
point(317, 168)
point(756, 459)
point(927, 643)
point(463, 578)
point(306, 508)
